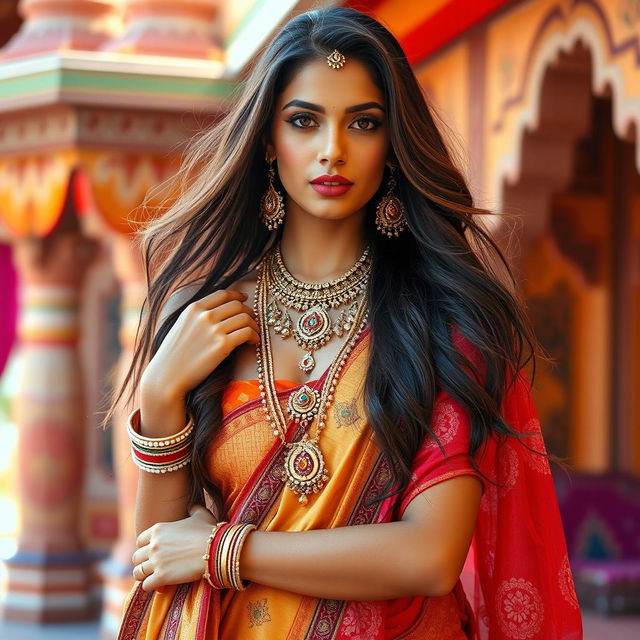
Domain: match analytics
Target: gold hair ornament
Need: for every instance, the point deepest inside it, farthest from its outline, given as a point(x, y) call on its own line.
point(335, 59)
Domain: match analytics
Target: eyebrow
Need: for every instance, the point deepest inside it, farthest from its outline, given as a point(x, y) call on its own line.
point(319, 109)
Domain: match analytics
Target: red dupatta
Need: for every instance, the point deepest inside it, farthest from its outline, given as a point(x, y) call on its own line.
point(518, 575)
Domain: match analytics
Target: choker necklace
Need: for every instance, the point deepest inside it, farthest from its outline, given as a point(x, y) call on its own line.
point(314, 328)
point(304, 464)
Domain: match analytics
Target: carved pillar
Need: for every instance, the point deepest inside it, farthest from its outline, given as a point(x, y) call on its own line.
point(117, 571)
point(52, 25)
point(188, 29)
point(48, 578)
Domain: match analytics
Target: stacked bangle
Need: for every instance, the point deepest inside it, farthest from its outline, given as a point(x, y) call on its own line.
point(160, 455)
point(222, 558)
point(207, 554)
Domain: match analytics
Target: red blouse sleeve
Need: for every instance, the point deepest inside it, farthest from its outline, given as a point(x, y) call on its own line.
point(450, 422)
point(431, 465)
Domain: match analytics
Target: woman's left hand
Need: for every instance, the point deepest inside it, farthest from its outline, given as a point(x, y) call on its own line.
point(171, 552)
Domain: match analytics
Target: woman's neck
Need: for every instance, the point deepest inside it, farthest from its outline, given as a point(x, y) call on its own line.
point(318, 250)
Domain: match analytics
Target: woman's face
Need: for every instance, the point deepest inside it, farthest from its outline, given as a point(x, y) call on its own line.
point(329, 121)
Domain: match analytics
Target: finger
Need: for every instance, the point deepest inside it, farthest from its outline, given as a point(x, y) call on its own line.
point(218, 298)
point(228, 310)
point(244, 334)
point(140, 555)
point(144, 538)
point(237, 322)
point(146, 568)
point(139, 573)
point(151, 583)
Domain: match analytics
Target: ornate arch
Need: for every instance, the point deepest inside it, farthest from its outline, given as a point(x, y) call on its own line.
point(524, 45)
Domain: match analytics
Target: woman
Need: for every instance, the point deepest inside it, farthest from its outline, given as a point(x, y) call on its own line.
point(353, 439)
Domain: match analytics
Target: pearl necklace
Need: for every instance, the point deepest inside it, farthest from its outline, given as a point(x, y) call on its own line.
point(304, 464)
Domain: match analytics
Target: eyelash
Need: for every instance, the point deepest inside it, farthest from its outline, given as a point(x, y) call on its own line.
point(298, 116)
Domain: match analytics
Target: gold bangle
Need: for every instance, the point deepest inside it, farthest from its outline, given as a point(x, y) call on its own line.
point(245, 530)
point(207, 554)
point(227, 555)
point(133, 430)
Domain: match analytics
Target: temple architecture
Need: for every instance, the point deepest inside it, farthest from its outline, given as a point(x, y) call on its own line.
point(540, 101)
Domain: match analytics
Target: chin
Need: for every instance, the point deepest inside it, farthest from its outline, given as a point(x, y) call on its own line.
point(331, 215)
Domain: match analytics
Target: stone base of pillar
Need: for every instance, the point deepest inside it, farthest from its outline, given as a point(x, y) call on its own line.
point(52, 587)
point(118, 581)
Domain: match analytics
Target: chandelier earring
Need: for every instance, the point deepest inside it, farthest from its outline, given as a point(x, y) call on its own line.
point(272, 204)
point(390, 212)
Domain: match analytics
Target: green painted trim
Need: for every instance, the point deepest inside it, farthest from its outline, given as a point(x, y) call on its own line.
point(59, 80)
point(130, 84)
point(35, 83)
point(248, 17)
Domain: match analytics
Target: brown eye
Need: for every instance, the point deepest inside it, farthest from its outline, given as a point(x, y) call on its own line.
point(368, 121)
point(298, 117)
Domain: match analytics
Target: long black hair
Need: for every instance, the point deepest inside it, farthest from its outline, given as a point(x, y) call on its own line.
point(444, 272)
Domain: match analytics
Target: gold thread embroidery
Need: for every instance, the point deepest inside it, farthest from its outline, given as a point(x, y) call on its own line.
point(346, 413)
point(258, 612)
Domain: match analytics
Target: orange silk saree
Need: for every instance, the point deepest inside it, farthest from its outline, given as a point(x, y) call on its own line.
point(245, 461)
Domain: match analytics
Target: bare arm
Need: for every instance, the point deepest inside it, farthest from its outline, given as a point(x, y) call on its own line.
point(204, 334)
point(423, 554)
point(162, 497)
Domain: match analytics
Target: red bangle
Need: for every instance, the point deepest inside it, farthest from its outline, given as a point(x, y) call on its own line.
point(223, 563)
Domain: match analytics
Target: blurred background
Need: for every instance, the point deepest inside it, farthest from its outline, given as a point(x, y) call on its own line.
point(540, 100)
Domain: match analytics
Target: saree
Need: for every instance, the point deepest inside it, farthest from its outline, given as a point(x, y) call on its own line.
point(517, 585)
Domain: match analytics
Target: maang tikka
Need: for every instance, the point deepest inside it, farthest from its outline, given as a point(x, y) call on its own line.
point(390, 212)
point(272, 204)
point(336, 60)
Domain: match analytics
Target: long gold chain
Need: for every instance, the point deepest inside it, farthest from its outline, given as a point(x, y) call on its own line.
point(304, 464)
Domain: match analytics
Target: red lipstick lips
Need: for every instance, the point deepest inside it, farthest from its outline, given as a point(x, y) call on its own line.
point(326, 185)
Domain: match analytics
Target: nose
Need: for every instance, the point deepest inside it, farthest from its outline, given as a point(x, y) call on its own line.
point(332, 150)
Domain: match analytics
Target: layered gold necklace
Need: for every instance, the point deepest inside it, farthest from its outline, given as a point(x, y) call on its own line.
point(304, 464)
point(314, 327)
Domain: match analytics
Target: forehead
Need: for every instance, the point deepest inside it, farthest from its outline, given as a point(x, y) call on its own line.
point(317, 82)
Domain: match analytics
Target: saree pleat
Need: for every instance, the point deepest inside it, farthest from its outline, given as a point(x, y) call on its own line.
point(246, 461)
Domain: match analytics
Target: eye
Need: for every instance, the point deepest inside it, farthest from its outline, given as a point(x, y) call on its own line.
point(300, 116)
point(368, 119)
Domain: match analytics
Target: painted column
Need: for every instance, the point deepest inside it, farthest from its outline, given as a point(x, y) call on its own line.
point(48, 578)
point(52, 25)
point(117, 571)
point(186, 29)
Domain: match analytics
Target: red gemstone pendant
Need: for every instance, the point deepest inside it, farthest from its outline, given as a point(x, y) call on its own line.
point(304, 466)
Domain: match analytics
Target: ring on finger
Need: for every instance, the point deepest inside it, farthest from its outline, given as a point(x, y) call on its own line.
point(140, 568)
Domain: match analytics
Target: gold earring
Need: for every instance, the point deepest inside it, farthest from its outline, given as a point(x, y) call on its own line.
point(390, 212)
point(272, 204)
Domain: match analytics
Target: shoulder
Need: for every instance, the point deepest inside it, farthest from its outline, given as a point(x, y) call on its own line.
point(178, 298)
point(183, 294)
point(246, 284)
